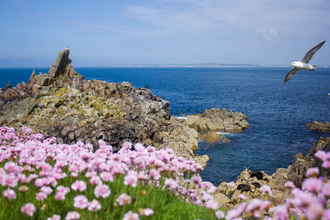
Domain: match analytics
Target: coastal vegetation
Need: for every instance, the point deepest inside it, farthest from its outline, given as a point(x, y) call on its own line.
point(44, 180)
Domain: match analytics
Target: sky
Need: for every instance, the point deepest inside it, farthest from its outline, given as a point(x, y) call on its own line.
point(108, 33)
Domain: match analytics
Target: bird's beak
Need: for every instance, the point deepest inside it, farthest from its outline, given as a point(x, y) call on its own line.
point(291, 65)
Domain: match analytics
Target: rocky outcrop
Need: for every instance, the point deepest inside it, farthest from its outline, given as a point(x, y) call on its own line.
point(249, 182)
point(319, 126)
point(216, 120)
point(65, 105)
point(210, 137)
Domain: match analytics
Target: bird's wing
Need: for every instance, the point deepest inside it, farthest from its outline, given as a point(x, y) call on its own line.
point(290, 74)
point(310, 53)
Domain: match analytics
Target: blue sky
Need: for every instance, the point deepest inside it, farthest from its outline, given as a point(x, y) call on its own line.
point(105, 33)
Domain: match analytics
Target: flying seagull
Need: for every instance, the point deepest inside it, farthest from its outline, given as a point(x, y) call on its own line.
point(303, 64)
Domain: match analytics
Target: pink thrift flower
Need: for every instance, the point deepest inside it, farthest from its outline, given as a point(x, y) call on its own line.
point(131, 179)
point(10, 166)
point(254, 204)
point(231, 185)
point(241, 196)
point(146, 212)
point(321, 155)
point(155, 174)
point(63, 189)
point(196, 180)
point(315, 210)
point(78, 185)
point(95, 180)
point(289, 184)
point(80, 202)
point(54, 217)
point(234, 213)
point(280, 212)
point(326, 164)
point(102, 190)
point(28, 209)
point(312, 185)
point(131, 216)
point(265, 189)
point(220, 214)
point(173, 184)
point(312, 172)
point(107, 176)
point(326, 214)
point(212, 190)
point(59, 196)
point(211, 204)
point(72, 216)
point(94, 205)
point(9, 180)
point(41, 196)
point(9, 194)
point(123, 199)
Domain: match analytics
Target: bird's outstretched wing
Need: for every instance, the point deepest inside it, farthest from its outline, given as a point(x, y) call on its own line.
point(290, 74)
point(310, 53)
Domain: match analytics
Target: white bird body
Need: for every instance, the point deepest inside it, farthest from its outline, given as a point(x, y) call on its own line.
point(303, 64)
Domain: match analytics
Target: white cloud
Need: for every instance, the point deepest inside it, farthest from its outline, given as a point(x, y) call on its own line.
point(268, 33)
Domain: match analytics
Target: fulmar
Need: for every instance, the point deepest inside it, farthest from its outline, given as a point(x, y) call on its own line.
point(303, 64)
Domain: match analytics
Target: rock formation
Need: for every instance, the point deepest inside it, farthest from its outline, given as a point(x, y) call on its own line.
point(216, 120)
point(65, 105)
point(319, 126)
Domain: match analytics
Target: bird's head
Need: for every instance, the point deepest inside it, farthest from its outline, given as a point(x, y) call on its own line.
point(294, 64)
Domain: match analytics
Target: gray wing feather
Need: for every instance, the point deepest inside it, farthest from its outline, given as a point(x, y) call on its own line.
point(311, 53)
point(290, 74)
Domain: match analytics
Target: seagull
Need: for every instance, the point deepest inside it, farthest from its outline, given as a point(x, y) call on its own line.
point(303, 64)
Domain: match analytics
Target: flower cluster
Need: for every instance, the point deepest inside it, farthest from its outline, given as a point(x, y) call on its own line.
point(76, 175)
point(28, 159)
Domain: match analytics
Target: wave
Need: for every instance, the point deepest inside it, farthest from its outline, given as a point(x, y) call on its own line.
point(226, 133)
point(182, 117)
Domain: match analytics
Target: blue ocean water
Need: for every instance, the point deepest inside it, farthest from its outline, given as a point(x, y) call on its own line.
point(277, 112)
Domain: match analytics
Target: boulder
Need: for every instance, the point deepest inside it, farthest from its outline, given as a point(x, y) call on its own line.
point(221, 198)
point(244, 187)
point(256, 173)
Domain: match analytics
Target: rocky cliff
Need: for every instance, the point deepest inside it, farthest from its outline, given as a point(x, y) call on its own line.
point(65, 105)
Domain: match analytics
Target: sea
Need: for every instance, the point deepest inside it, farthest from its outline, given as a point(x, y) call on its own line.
point(277, 112)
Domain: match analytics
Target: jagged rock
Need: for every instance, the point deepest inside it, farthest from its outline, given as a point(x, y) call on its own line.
point(60, 63)
point(216, 120)
point(300, 164)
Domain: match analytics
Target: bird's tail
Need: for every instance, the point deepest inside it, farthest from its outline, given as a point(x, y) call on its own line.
point(314, 67)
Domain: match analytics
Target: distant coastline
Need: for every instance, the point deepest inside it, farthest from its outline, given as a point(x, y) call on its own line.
point(174, 65)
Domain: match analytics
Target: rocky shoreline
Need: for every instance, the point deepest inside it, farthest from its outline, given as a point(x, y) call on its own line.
point(64, 105)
